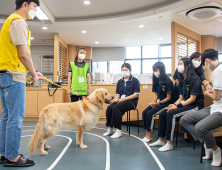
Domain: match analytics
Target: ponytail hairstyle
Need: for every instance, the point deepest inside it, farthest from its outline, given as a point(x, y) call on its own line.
point(159, 65)
point(77, 55)
point(197, 55)
point(188, 71)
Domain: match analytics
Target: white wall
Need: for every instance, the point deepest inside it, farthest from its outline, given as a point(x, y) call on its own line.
point(108, 54)
point(219, 44)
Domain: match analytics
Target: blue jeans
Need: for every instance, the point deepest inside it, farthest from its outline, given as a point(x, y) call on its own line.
point(13, 111)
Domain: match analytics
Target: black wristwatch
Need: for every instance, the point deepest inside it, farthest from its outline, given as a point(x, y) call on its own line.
point(159, 102)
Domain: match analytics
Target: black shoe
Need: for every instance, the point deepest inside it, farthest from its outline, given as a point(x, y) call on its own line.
point(3, 159)
point(21, 162)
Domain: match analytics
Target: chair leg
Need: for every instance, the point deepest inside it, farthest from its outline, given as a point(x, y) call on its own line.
point(194, 145)
point(202, 152)
point(177, 132)
point(138, 121)
point(129, 122)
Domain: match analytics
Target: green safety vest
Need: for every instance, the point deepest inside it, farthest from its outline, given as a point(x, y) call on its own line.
point(80, 87)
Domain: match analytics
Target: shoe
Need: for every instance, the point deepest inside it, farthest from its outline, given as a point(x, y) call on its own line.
point(3, 159)
point(21, 162)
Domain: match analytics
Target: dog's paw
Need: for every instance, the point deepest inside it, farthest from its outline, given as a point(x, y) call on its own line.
point(83, 146)
point(47, 147)
point(44, 153)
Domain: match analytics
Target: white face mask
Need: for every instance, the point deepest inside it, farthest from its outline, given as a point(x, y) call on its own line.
point(157, 74)
point(31, 13)
point(180, 69)
point(82, 56)
point(125, 73)
point(196, 64)
point(208, 67)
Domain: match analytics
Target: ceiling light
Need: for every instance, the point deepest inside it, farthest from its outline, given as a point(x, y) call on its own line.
point(41, 15)
point(44, 28)
point(32, 38)
point(141, 26)
point(96, 42)
point(219, 20)
point(83, 32)
point(160, 38)
point(86, 2)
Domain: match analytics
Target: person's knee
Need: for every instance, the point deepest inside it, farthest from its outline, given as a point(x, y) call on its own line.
point(163, 113)
point(200, 130)
point(183, 120)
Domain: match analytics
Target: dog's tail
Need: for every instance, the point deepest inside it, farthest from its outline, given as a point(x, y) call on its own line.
point(33, 143)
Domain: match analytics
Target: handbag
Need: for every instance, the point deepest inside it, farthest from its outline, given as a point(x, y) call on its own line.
point(50, 85)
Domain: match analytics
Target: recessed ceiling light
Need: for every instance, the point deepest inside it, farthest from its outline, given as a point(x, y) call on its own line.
point(141, 26)
point(86, 2)
point(160, 38)
point(83, 32)
point(97, 42)
point(44, 28)
point(32, 38)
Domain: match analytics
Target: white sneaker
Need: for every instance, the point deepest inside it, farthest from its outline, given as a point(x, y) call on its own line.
point(145, 140)
point(166, 147)
point(117, 134)
point(157, 143)
point(109, 132)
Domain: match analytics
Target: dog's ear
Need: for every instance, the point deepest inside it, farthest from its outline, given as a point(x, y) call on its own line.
point(100, 98)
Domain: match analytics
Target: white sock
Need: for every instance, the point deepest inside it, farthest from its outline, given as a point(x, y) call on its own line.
point(166, 147)
point(109, 132)
point(117, 134)
point(208, 153)
point(216, 157)
point(145, 140)
point(157, 143)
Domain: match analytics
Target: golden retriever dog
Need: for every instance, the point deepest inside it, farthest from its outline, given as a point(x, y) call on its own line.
point(80, 116)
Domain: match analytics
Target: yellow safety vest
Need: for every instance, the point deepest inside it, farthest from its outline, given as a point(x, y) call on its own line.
point(9, 54)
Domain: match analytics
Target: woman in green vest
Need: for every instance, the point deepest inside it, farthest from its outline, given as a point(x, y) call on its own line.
point(78, 77)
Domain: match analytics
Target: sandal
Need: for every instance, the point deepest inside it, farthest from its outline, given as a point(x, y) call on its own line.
point(3, 159)
point(21, 162)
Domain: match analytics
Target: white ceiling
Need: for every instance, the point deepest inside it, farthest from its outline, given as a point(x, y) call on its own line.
point(114, 23)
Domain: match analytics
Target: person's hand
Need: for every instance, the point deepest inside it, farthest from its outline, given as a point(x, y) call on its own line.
point(69, 93)
point(171, 105)
point(172, 108)
point(121, 100)
point(40, 76)
point(206, 93)
point(35, 77)
point(116, 100)
point(209, 88)
point(154, 104)
point(89, 92)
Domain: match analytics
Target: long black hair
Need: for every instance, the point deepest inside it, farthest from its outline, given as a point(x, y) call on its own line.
point(159, 65)
point(188, 71)
point(76, 58)
point(196, 55)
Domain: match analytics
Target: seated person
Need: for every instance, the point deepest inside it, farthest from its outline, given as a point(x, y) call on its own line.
point(200, 123)
point(127, 95)
point(195, 58)
point(163, 89)
point(191, 99)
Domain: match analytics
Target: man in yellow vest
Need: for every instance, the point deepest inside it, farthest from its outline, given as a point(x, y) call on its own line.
point(15, 62)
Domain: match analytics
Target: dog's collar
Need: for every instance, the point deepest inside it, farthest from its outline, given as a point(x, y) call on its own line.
point(85, 98)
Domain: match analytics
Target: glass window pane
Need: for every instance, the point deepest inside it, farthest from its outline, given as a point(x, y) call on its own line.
point(167, 63)
point(220, 57)
point(99, 67)
point(133, 52)
point(115, 67)
point(148, 66)
point(135, 65)
point(165, 51)
point(150, 51)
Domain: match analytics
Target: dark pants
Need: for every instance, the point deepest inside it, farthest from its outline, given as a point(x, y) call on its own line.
point(75, 98)
point(167, 120)
point(149, 115)
point(115, 112)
